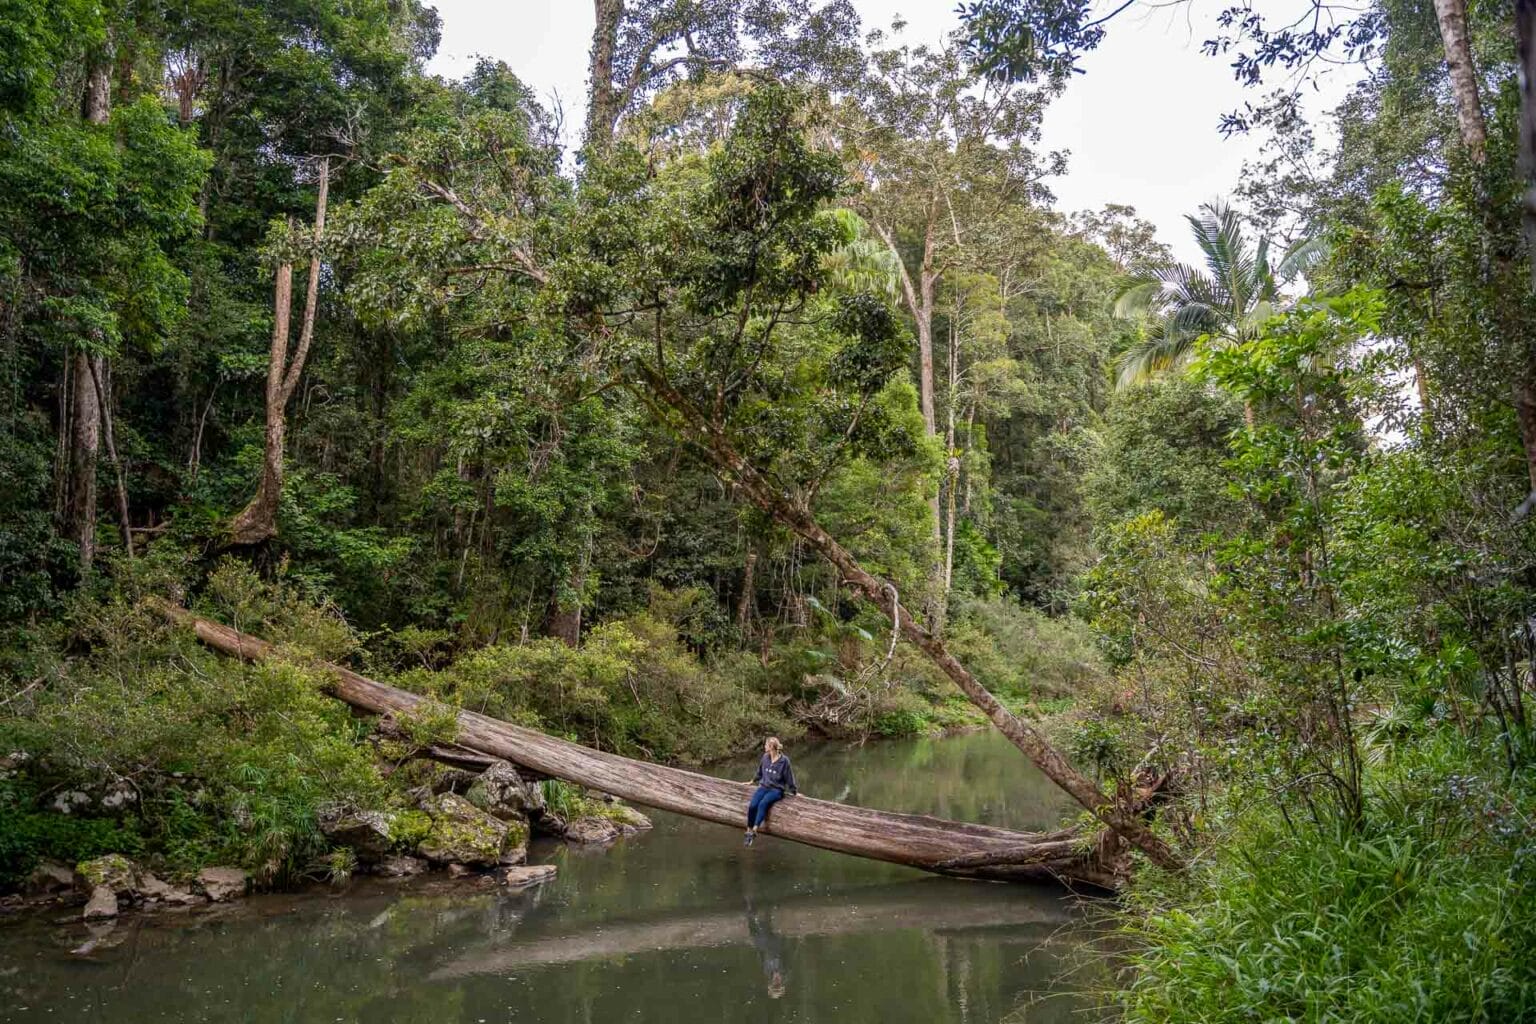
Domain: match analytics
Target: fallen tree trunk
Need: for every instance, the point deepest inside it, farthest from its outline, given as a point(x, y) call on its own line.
point(932, 844)
point(674, 409)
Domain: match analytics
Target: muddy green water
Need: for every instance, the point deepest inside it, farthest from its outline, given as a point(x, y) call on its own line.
point(679, 925)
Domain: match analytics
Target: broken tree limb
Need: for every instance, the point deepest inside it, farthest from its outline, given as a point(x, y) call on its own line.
point(916, 840)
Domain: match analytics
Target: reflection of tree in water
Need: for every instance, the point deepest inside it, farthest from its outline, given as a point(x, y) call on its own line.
point(769, 945)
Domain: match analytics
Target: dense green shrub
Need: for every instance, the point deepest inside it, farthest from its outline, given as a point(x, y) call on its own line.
point(213, 760)
point(1022, 652)
point(632, 687)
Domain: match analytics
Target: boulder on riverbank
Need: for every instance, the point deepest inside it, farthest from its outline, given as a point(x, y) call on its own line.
point(369, 834)
point(522, 876)
point(400, 867)
point(223, 884)
point(464, 834)
point(158, 892)
point(50, 877)
point(502, 792)
point(113, 872)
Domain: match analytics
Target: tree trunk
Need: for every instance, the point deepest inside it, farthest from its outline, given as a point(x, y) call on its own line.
point(933, 844)
point(744, 603)
point(782, 509)
point(602, 95)
point(951, 463)
point(1525, 386)
point(104, 403)
point(1452, 16)
point(84, 449)
point(1525, 27)
point(85, 412)
point(257, 522)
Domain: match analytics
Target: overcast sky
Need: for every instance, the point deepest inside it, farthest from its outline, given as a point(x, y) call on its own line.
point(1140, 125)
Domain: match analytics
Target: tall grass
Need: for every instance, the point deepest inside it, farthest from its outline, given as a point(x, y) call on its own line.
point(1427, 912)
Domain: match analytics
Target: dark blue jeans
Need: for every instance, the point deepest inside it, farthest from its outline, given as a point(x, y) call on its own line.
point(764, 798)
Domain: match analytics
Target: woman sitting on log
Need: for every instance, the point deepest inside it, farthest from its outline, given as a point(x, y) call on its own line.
point(775, 778)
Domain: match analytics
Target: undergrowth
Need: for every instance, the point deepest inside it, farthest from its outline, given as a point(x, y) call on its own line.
point(1424, 912)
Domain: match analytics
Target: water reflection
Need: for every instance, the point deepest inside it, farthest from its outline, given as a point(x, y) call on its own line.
point(682, 924)
point(770, 947)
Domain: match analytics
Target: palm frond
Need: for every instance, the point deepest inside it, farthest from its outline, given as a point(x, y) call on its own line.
point(1303, 255)
point(1153, 356)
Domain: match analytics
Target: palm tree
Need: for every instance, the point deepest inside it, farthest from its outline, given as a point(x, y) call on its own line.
point(863, 263)
point(1229, 299)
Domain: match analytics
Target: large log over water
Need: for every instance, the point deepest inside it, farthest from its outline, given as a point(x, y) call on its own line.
point(932, 844)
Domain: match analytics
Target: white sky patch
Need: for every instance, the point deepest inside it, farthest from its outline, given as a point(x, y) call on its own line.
point(1141, 124)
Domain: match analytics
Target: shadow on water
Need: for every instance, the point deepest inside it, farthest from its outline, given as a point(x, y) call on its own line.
point(681, 924)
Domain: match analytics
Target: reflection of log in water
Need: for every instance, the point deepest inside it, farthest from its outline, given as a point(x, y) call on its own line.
point(884, 908)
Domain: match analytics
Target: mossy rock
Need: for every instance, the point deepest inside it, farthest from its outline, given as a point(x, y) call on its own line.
point(113, 871)
point(461, 833)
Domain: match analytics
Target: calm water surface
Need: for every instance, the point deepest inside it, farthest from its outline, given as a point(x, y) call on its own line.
point(678, 925)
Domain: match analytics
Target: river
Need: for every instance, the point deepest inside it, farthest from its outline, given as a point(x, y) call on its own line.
point(677, 925)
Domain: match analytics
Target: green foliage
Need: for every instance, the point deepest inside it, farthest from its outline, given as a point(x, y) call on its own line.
point(1164, 448)
point(224, 762)
point(1422, 914)
point(1022, 652)
point(631, 687)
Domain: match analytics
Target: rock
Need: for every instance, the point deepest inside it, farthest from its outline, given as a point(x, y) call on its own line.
point(526, 875)
point(629, 820)
point(102, 904)
point(70, 801)
point(400, 867)
point(223, 884)
point(50, 877)
point(117, 796)
point(458, 871)
point(369, 834)
point(591, 828)
point(463, 833)
point(516, 855)
point(153, 888)
point(114, 871)
point(502, 792)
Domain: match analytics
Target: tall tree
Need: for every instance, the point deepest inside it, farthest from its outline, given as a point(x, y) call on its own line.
point(940, 161)
point(85, 407)
point(258, 520)
point(641, 46)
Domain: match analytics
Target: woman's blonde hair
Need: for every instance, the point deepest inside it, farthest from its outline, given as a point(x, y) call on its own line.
point(773, 744)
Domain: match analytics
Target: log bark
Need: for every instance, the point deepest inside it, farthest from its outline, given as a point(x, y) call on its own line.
point(915, 840)
point(694, 427)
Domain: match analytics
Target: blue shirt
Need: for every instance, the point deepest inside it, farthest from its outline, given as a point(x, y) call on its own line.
point(777, 774)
